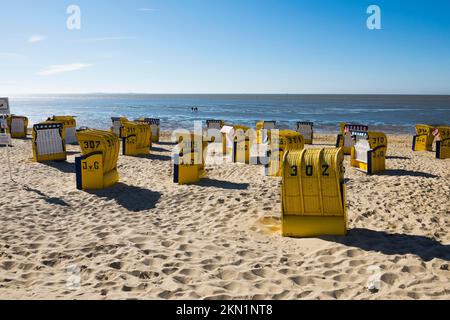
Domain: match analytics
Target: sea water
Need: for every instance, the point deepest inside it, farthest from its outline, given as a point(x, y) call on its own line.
point(390, 113)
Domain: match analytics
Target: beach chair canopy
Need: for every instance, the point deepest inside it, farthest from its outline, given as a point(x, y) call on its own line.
point(4, 106)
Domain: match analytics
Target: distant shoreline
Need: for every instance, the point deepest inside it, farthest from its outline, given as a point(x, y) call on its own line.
point(232, 94)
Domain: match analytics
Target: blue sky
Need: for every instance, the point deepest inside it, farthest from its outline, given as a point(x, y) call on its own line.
point(225, 46)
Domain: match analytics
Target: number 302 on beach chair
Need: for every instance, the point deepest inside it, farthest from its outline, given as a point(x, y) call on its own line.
point(96, 168)
point(443, 143)
point(313, 193)
point(48, 142)
point(369, 152)
point(188, 160)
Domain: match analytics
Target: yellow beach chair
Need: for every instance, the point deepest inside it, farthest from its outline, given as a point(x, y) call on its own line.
point(97, 167)
point(117, 124)
point(443, 143)
point(155, 127)
point(306, 129)
point(263, 130)
point(369, 152)
point(48, 142)
point(17, 126)
point(189, 160)
point(313, 193)
point(346, 139)
point(284, 141)
point(424, 138)
point(70, 127)
point(234, 141)
point(136, 138)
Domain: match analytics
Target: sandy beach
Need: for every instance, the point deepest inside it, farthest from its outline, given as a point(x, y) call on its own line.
point(148, 238)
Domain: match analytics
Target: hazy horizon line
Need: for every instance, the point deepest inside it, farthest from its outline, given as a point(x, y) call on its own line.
point(229, 94)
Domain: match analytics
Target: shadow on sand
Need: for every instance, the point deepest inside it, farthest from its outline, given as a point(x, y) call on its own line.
point(397, 158)
point(157, 149)
point(210, 183)
point(394, 244)
point(63, 166)
point(135, 199)
point(46, 198)
point(158, 157)
point(403, 173)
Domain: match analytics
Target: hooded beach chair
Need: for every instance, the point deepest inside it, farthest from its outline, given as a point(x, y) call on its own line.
point(346, 139)
point(242, 142)
point(4, 106)
point(136, 138)
point(70, 127)
point(369, 152)
point(155, 127)
point(5, 137)
point(280, 143)
point(236, 143)
point(443, 142)
point(424, 138)
point(48, 142)
point(214, 124)
point(306, 129)
point(214, 136)
point(96, 168)
point(263, 129)
point(188, 159)
point(313, 193)
point(17, 126)
point(117, 124)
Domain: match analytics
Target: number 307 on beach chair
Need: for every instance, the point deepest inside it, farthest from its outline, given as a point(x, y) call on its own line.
point(313, 193)
point(97, 167)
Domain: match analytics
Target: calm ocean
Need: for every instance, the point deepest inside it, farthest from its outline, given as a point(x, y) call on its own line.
point(391, 113)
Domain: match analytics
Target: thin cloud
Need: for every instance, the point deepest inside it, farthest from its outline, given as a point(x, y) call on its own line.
point(101, 39)
point(36, 38)
point(12, 55)
point(62, 68)
point(146, 9)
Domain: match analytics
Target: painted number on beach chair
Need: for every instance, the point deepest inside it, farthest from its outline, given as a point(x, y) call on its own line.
point(378, 141)
point(309, 170)
point(91, 144)
point(294, 171)
point(325, 168)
